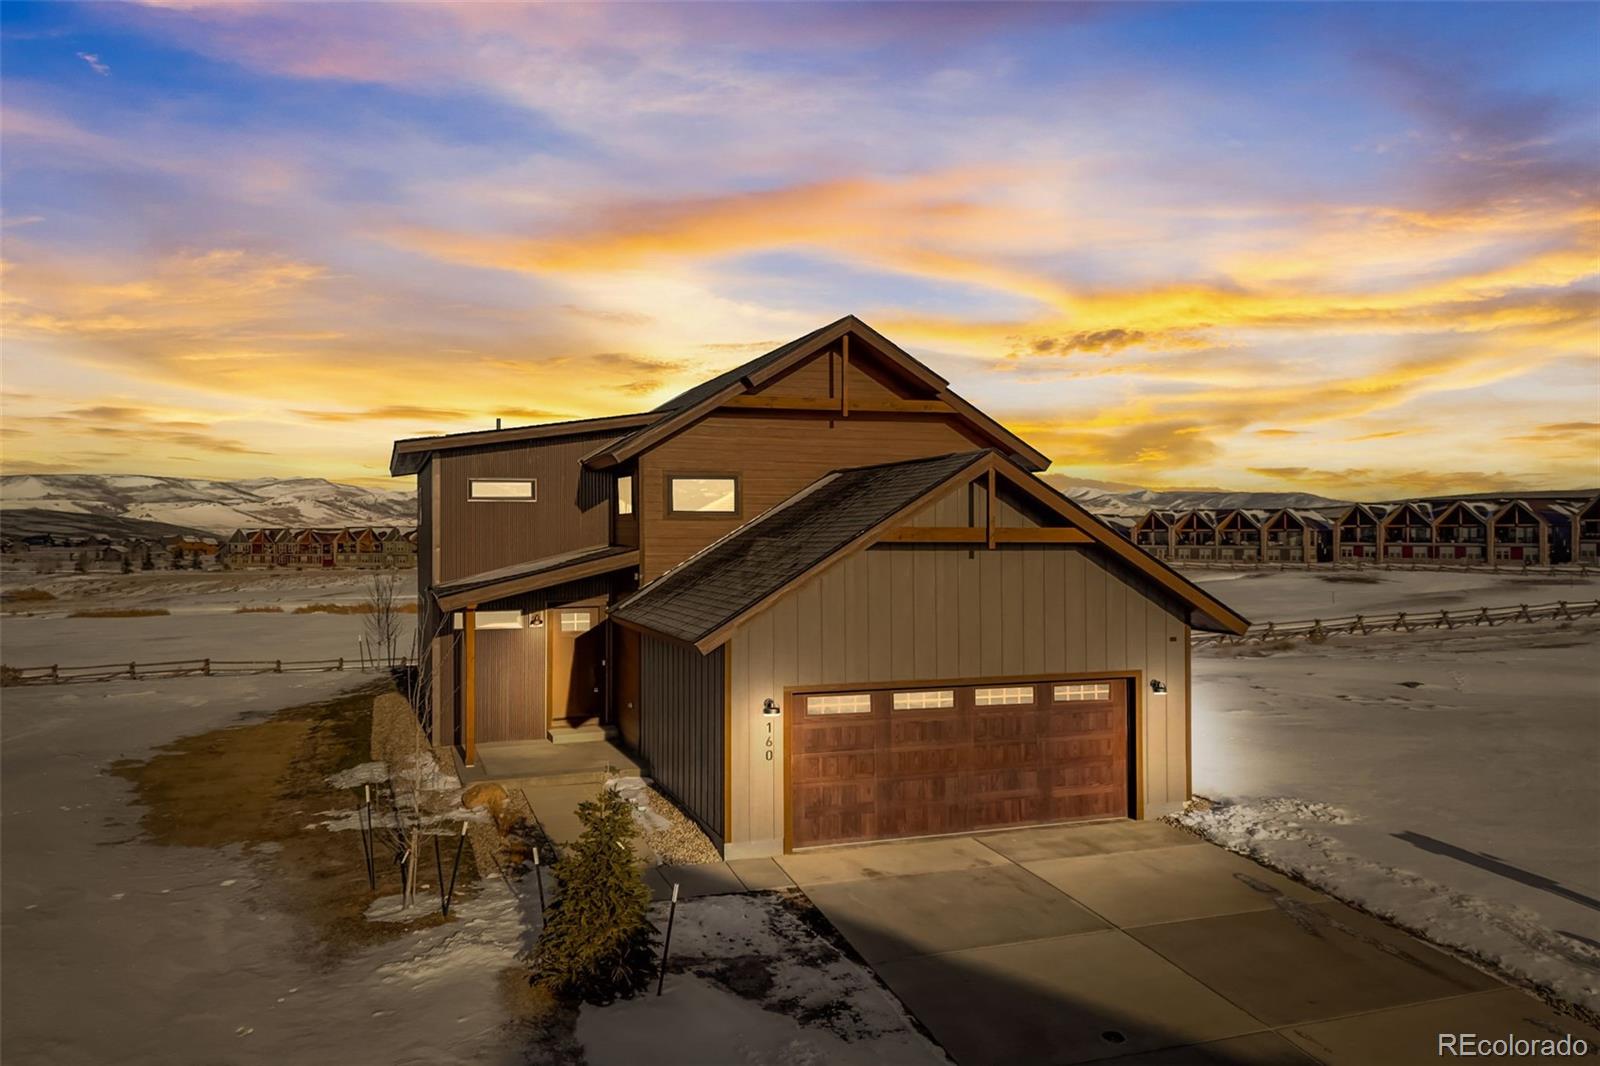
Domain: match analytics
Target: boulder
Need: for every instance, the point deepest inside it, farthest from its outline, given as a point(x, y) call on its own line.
point(485, 795)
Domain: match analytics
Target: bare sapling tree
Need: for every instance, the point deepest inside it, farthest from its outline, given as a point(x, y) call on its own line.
point(418, 685)
point(384, 620)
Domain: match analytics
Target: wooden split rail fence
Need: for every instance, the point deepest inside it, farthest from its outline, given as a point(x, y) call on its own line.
point(56, 674)
point(1405, 622)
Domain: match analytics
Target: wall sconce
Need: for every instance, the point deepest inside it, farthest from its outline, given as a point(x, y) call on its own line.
point(1158, 688)
point(769, 708)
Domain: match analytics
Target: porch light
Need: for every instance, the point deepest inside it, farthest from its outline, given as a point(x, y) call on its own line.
point(769, 708)
point(1158, 688)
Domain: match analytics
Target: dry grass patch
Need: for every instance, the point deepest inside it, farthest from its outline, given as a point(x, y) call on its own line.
point(120, 612)
point(350, 608)
point(28, 595)
point(257, 785)
point(259, 610)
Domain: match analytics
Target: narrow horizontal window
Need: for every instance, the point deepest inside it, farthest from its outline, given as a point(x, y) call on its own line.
point(576, 622)
point(931, 699)
point(625, 495)
point(703, 495)
point(996, 697)
point(502, 489)
point(492, 620)
point(855, 703)
point(1070, 693)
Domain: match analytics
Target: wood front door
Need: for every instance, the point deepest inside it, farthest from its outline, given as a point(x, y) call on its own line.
point(577, 666)
point(875, 764)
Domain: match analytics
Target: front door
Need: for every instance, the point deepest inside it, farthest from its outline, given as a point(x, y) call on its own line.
point(577, 666)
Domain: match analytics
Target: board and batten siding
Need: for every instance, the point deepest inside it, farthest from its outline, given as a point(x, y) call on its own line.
point(934, 613)
point(682, 728)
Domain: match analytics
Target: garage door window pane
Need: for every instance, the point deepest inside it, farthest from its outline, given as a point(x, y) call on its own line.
point(855, 703)
point(996, 697)
point(924, 701)
point(1069, 693)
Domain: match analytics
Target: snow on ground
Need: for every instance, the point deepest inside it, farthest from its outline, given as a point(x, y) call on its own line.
point(1296, 595)
point(1447, 780)
point(121, 950)
point(849, 1018)
point(202, 591)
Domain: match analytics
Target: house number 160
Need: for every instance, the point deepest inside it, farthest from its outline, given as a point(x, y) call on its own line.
point(769, 741)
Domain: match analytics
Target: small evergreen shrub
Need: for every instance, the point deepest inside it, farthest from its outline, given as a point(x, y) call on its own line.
point(598, 944)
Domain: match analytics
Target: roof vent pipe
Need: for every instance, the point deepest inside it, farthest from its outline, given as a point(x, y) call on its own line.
point(497, 423)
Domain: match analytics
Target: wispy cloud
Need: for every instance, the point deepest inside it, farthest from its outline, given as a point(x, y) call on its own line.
point(95, 64)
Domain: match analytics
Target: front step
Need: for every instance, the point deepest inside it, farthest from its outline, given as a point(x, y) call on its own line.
point(589, 731)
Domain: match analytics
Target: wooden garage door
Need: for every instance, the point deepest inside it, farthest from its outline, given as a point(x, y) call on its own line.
point(875, 763)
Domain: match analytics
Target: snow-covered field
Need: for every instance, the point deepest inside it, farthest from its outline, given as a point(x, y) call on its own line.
point(1297, 595)
point(120, 949)
point(1447, 780)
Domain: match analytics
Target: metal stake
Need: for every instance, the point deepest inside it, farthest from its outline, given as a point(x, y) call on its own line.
point(454, 866)
point(666, 944)
point(538, 875)
point(364, 820)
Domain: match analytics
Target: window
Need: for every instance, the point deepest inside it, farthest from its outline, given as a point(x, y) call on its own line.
point(576, 622)
point(703, 495)
point(492, 620)
point(855, 703)
point(995, 697)
point(924, 701)
point(1071, 693)
point(500, 488)
point(625, 494)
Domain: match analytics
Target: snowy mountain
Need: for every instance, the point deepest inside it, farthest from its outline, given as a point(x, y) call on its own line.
point(1134, 502)
point(213, 506)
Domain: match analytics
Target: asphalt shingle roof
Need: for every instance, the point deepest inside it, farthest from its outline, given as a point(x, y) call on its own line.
point(734, 574)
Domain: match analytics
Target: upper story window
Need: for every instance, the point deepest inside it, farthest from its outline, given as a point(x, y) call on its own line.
point(503, 488)
point(625, 494)
point(700, 494)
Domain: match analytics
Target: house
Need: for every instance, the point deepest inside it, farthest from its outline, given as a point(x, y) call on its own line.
point(1532, 533)
point(1358, 532)
point(1239, 535)
point(1296, 536)
point(1461, 532)
point(1153, 532)
point(821, 597)
point(1586, 532)
point(1194, 535)
point(1407, 531)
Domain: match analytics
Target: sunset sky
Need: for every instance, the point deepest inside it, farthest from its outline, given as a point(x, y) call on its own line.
point(1353, 250)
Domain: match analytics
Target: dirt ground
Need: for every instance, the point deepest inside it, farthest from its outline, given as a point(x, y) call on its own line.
point(262, 785)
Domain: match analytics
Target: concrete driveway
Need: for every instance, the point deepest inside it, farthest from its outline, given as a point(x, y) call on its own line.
point(1136, 941)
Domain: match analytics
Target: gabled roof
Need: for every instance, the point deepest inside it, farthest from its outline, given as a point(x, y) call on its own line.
point(701, 600)
point(543, 573)
point(1422, 510)
point(1479, 510)
point(1374, 511)
point(734, 575)
point(687, 408)
point(1307, 519)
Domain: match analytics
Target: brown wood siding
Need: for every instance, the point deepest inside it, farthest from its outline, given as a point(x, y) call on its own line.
point(681, 728)
point(510, 690)
point(818, 377)
point(573, 508)
point(1088, 614)
point(774, 456)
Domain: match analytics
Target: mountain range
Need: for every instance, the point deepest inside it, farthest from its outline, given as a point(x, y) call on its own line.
point(136, 504)
point(124, 504)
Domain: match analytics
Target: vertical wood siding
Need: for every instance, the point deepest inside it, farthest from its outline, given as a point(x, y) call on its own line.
point(924, 612)
point(681, 728)
point(573, 508)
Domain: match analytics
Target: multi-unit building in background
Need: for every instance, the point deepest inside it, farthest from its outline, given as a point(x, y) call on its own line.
point(350, 547)
point(47, 553)
point(1537, 529)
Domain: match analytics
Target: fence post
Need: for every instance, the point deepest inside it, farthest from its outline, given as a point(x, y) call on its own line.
point(133, 670)
point(277, 666)
point(206, 668)
point(340, 667)
point(1523, 615)
point(55, 673)
point(1444, 617)
point(1564, 612)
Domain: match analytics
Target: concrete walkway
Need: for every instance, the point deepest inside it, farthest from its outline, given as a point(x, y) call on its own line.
point(1136, 941)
